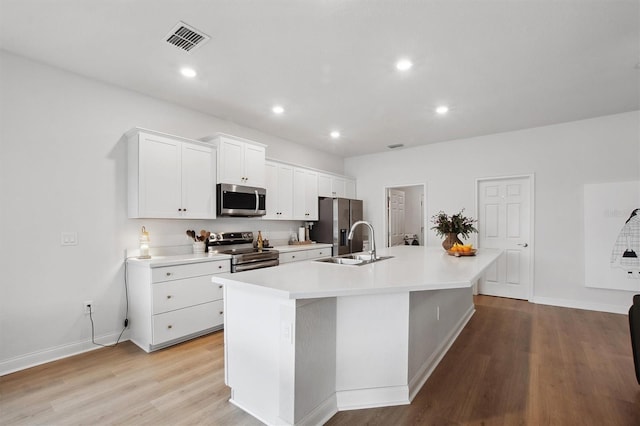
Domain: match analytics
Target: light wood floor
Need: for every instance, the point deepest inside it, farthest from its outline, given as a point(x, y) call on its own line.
point(514, 363)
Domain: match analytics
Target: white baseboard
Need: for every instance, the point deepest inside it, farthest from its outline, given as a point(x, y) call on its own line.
point(590, 306)
point(373, 397)
point(322, 413)
point(262, 419)
point(52, 354)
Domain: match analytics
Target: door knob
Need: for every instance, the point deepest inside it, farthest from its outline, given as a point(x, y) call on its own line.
point(524, 245)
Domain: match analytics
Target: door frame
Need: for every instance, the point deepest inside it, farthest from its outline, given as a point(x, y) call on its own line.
point(532, 185)
point(385, 210)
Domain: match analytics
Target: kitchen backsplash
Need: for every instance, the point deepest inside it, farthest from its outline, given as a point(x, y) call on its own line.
point(168, 237)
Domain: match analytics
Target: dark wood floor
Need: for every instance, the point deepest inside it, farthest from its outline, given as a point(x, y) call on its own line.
point(514, 363)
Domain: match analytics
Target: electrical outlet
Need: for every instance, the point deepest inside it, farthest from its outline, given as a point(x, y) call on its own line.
point(88, 307)
point(69, 239)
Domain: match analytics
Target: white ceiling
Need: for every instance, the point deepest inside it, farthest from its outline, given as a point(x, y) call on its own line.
point(499, 65)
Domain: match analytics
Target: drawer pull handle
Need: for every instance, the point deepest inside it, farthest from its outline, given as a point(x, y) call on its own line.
point(169, 296)
point(293, 257)
point(219, 266)
point(168, 274)
point(169, 326)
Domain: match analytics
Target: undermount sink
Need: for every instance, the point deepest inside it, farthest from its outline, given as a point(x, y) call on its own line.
point(353, 259)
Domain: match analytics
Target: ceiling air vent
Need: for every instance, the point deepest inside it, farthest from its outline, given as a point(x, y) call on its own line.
point(395, 145)
point(186, 37)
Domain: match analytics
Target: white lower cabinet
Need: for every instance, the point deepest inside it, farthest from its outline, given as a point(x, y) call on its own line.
point(173, 303)
point(304, 254)
point(176, 325)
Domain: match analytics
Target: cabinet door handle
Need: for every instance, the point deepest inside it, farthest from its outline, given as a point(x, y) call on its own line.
point(221, 312)
point(179, 210)
point(219, 286)
point(169, 296)
point(169, 326)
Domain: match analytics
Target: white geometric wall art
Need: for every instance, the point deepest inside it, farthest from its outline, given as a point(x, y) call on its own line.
point(612, 235)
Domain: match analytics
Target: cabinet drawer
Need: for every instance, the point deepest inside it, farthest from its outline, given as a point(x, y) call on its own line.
point(169, 273)
point(177, 294)
point(180, 323)
point(318, 253)
point(292, 256)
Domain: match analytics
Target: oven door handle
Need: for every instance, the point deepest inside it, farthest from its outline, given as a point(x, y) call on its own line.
point(255, 265)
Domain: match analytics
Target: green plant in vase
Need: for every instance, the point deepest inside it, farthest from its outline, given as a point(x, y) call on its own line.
point(452, 226)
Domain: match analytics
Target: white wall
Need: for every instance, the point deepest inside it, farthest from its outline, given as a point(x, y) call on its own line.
point(563, 158)
point(62, 168)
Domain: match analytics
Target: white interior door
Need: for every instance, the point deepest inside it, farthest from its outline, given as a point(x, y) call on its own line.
point(505, 213)
point(396, 217)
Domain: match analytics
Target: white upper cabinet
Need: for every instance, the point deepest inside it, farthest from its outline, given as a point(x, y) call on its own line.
point(170, 176)
point(240, 161)
point(325, 185)
point(279, 184)
point(336, 186)
point(198, 181)
point(349, 188)
point(305, 194)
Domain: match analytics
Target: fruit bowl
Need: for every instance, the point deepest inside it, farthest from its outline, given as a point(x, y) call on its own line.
point(471, 252)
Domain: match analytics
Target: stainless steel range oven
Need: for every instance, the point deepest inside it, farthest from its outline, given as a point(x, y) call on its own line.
point(244, 256)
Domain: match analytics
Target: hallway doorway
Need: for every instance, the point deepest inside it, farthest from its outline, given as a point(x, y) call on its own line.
point(404, 215)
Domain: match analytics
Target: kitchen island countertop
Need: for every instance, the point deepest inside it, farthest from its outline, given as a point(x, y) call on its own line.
point(412, 268)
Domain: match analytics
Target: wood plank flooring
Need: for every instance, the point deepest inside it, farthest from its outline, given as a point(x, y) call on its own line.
point(515, 363)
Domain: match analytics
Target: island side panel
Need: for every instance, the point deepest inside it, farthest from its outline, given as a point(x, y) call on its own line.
point(259, 351)
point(315, 362)
point(436, 319)
point(372, 350)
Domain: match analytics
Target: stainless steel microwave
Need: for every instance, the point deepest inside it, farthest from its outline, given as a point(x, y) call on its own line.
point(238, 200)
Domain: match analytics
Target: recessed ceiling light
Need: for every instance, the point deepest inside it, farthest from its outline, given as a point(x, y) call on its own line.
point(404, 64)
point(188, 72)
point(277, 109)
point(443, 109)
point(335, 134)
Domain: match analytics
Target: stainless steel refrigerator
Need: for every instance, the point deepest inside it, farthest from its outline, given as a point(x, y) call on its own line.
point(335, 217)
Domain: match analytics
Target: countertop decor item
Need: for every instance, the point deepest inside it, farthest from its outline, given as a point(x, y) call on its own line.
point(471, 252)
point(452, 226)
point(144, 244)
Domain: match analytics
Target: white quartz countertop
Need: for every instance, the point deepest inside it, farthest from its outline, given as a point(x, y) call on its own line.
point(299, 247)
point(181, 259)
point(413, 268)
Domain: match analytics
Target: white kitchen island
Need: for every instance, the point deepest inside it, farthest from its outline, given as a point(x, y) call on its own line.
point(305, 340)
